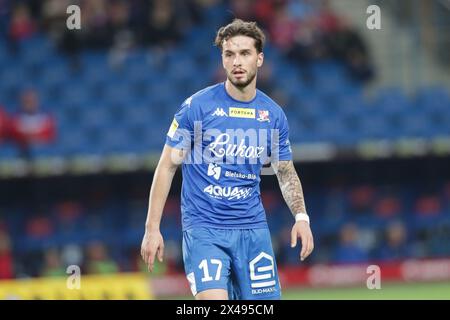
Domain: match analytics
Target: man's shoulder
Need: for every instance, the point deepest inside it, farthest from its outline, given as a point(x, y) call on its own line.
point(203, 96)
point(269, 103)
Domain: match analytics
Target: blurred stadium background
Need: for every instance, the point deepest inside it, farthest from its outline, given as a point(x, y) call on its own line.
point(83, 117)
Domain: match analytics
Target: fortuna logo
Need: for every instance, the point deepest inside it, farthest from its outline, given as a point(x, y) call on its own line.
point(229, 193)
point(263, 116)
point(214, 170)
point(233, 150)
point(242, 113)
point(220, 113)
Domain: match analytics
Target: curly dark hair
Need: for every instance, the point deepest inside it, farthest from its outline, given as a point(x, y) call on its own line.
point(243, 28)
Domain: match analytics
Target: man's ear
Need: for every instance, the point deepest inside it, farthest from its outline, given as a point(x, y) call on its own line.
point(260, 60)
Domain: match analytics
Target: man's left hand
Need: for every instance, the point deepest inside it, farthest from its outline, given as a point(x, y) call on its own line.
point(302, 230)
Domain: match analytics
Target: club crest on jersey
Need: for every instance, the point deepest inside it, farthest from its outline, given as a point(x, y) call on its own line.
point(263, 116)
point(220, 113)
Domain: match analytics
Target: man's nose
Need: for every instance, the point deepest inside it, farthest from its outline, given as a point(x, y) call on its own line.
point(237, 61)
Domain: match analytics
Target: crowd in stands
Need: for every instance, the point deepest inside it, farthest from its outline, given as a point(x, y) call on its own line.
point(307, 31)
point(29, 126)
point(115, 25)
point(303, 30)
point(352, 224)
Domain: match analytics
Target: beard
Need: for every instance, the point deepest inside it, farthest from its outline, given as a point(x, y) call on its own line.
point(242, 83)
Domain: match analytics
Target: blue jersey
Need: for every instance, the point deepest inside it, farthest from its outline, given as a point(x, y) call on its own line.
point(227, 143)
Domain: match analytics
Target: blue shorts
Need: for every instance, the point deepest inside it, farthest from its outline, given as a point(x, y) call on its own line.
point(240, 261)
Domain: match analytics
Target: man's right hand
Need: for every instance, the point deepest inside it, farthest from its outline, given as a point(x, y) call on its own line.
point(152, 244)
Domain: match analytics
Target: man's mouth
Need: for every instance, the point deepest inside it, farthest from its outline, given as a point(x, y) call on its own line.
point(238, 73)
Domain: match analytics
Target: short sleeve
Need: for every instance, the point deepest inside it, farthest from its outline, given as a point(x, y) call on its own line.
point(180, 132)
point(283, 145)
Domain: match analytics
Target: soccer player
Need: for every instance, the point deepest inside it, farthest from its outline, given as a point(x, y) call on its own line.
point(223, 135)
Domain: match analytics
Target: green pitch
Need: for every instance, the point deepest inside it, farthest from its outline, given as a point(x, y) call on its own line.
point(391, 291)
point(400, 291)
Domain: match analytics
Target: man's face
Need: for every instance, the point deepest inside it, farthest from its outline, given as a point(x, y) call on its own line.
point(241, 60)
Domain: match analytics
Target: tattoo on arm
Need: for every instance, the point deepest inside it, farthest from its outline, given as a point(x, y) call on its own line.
point(291, 187)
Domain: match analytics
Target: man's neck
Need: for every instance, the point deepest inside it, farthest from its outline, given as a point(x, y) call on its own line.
point(241, 94)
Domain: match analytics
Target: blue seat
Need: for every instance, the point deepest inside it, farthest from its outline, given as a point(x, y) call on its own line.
point(392, 99)
point(416, 125)
point(374, 127)
point(215, 16)
point(183, 69)
point(8, 151)
point(139, 115)
point(56, 74)
point(4, 52)
point(433, 97)
point(36, 48)
point(45, 150)
point(115, 140)
point(73, 141)
point(97, 116)
point(75, 95)
point(12, 77)
point(118, 94)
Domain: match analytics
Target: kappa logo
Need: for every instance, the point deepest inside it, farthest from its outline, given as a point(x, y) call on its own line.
point(220, 113)
point(214, 170)
point(191, 279)
point(263, 116)
point(288, 143)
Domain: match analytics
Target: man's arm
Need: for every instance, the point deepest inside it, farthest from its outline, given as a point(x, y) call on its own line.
point(292, 191)
point(153, 243)
point(290, 186)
